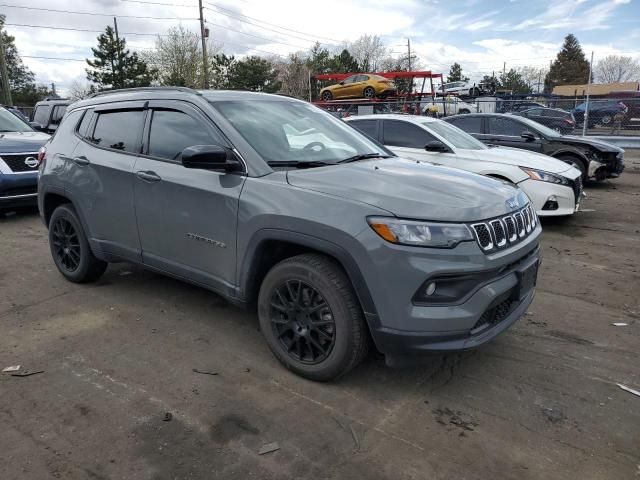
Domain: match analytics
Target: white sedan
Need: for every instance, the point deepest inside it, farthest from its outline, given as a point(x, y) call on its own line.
point(553, 186)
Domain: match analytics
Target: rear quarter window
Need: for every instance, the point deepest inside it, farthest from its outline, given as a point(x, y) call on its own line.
point(68, 125)
point(41, 114)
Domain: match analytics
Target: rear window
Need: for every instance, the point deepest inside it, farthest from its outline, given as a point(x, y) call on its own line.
point(120, 130)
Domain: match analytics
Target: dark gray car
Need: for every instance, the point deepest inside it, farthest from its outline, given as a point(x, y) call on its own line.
point(274, 203)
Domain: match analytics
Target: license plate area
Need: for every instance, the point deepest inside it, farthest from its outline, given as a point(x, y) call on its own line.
point(527, 279)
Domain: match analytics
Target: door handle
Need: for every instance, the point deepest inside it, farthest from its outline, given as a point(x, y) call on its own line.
point(148, 176)
point(81, 160)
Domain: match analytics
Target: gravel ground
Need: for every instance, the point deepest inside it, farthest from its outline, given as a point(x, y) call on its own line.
point(118, 398)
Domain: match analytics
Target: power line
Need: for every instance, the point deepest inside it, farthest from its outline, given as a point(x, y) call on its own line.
point(83, 30)
point(241, 17)
point(95, 14)
point(256, 36)
point(160, 3)
point(54, 58)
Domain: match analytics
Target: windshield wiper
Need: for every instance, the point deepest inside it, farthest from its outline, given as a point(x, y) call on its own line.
point(300, 164)
point(363, 156)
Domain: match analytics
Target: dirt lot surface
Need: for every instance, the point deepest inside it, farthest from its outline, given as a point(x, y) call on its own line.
point(540, 402)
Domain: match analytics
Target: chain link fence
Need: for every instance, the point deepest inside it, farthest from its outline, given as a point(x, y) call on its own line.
point(618, 116)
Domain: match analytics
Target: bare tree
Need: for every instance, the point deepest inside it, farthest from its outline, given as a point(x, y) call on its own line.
point(615, 68)
point(533, 77)
point(293, 73)
point(177, 57)
point(369, 52)
point(78, 91)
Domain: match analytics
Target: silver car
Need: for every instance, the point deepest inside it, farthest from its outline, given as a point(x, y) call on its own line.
point(276, 204)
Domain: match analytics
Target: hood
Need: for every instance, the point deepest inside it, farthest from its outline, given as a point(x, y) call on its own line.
point(519, 158)
point(22, 142)
point(591, 142)
point(411, 189)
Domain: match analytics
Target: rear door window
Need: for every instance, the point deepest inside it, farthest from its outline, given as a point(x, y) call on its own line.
point(119, 130)
point(404, 134)
point(468, 124)
point(368, 127)
point(505, 126)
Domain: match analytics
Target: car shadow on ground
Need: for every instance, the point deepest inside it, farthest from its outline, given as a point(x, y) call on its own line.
point(12, 214)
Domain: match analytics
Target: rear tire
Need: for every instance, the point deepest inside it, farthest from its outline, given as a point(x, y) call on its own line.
point(326, 96)
point(369, 92)
point(311, 318)
point(606, 120)
point(70, 248)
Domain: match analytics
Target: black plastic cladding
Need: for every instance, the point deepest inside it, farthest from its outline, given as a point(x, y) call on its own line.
point(506, 230)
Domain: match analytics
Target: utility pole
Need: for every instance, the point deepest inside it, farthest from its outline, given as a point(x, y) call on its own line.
point(118, 54)
point(205, 62)
point(53, 89)
point(409, 51)
point(504, 68)
point(586, 107)
point(6, 88)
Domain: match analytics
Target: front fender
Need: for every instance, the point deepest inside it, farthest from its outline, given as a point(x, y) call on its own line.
point(340, 253)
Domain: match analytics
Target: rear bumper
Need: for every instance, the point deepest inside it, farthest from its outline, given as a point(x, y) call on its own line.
point(18, 189)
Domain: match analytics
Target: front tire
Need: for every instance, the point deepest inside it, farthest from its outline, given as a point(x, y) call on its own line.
point(326, 95)
point(579, 164)
point(369, 92)
point(70, 248)
point(311, 318)
point(606, 120)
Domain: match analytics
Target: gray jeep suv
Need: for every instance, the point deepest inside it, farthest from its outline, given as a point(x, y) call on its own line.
point(276, 204)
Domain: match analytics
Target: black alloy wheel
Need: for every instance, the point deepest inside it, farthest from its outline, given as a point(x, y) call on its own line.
point(302, 321)
point(66, 244)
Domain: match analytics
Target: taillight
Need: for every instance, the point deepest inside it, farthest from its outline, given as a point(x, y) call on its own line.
point(42, 157)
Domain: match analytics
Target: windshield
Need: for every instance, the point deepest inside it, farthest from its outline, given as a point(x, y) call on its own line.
point(10, 123)
point(535, 126)
point(455, 136)
point(286, 131)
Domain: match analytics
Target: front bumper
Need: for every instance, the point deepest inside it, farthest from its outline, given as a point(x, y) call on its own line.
point(18, 189)
point(404, 328)
point(543, 193)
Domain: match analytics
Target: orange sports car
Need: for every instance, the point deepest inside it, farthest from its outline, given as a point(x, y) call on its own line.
point(358, 86)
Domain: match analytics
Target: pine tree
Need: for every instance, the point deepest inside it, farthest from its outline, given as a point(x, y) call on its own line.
point(570, 66)
point(114, 66)
point(22, 85)
point(512, 80)
point(455, 74)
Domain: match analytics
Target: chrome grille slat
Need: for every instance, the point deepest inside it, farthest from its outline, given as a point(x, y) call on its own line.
point(506, 230)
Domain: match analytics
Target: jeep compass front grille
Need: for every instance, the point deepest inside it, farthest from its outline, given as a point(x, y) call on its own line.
point(16, 161)
point(506, 230)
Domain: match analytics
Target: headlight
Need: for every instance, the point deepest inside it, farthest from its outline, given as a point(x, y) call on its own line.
point(545, 176)
point(423, 234)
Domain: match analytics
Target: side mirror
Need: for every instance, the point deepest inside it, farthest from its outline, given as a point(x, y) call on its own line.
point(341, 83)
point(210, 157)
point(528, 136)
point(436, 146)
point(37, 126)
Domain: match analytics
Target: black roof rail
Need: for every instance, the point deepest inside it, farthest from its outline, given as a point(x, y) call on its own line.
point(50, 99)
point(144, 89)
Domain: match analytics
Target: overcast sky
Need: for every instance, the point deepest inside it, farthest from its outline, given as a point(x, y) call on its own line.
point(478, 34)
